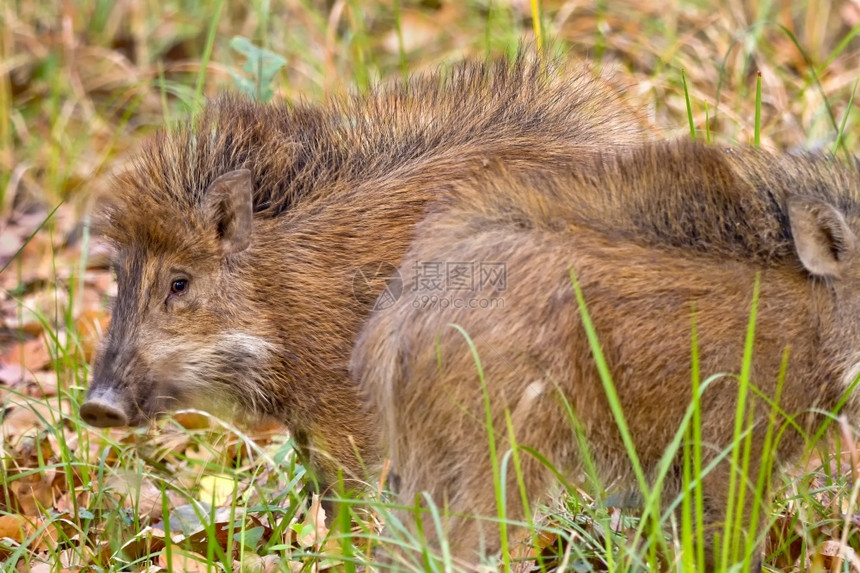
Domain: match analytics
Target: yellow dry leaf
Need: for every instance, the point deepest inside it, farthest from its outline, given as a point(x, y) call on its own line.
point(217, 489)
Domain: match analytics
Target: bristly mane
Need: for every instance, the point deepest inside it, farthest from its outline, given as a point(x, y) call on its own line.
point(299, 152)
point(726, 203)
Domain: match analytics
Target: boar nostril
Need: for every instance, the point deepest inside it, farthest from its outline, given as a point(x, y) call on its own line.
point(102, 414)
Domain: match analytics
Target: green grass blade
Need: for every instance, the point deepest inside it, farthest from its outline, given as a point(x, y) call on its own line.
point(501, 502)
point(840, 135)
point(207, 51)
point(757, 124)
point(689, 106)
point(401, 50)
point(730, 527)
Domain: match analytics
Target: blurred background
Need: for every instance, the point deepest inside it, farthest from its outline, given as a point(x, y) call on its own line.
point(82, 81)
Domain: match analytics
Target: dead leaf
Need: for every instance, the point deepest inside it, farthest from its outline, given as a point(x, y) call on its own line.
point(200, 540)
point(34, 261)
point(31, 354)
point(19, 528)
point(34, 493)
point(30, 313)
point(138, 492)
point(13, 527)
point(15, 375)
point(149, 541)
point(45, 385)
point(314, 530)
point(69, 501)
point(25, 414)
point(48, 537)
point(217, 489)
point(19, 421)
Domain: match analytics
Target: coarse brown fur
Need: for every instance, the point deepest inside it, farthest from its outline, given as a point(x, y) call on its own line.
point(238, 237)
point(657, 236)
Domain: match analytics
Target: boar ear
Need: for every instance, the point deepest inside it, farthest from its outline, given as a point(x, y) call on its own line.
point(821, 235)
point(229, 206)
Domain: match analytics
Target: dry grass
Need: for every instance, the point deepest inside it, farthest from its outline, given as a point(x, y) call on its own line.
point(81, 82)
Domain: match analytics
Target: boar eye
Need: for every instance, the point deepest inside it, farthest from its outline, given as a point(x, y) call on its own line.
point(179, 286)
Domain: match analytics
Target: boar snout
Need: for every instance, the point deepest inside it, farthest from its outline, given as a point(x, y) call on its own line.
point(103, 410)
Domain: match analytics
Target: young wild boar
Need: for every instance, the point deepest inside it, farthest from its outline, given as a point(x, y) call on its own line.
point(657, 236)
point(238, 238)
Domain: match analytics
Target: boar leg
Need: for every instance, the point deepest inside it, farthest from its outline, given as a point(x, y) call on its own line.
point(456, 472)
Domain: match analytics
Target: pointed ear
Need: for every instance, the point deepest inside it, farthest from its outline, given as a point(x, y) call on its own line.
point(229, 207)
point(821, 236)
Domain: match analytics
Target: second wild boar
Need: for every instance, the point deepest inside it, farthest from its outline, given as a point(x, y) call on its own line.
point(658, 237)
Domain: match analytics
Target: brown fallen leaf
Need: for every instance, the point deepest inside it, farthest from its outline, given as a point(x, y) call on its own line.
point(48, 537)
point(20, 528)
point(19, 421)
point(526, 550)
point(29, 314)
point(13, 527)
point(782, 536)
point(201, 539)
point(30, 354)
point(26, 415)
point(148, 541)
point(45, 385)
point(35, 259)
point(34, 493)
point(69, 501)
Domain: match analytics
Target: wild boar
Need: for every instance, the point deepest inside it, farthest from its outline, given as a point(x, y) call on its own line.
point(239, 237)
point(658, 237)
